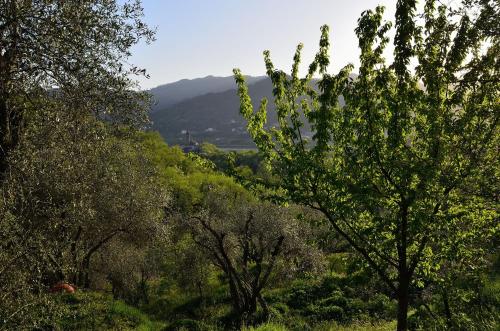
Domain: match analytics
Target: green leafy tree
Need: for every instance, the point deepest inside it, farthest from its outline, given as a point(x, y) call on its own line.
point(406, 164)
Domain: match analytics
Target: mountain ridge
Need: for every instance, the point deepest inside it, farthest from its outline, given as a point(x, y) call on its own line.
point(212, 115)
point(166, 95)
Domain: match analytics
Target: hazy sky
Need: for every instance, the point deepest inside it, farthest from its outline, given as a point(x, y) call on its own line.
point(196, 38)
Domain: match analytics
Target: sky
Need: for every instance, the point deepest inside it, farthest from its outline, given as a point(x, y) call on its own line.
point(197, 38)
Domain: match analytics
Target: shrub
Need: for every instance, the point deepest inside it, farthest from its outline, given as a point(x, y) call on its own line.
point(187, 325)
point(337, 298)
point(278, 311)
point(381, 306)
point(321, 313)
point(96, 311)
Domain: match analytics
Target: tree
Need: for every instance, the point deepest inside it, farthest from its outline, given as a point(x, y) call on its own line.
point(91, 188)
point(399, 166)
point(70, 50)
point(250, 242)
point(71, 185)
point(74, 191)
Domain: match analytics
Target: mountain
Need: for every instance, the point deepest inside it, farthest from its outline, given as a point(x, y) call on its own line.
point(170, 94)
point(211, 116)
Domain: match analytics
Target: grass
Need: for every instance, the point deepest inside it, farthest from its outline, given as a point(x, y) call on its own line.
point(387, 326)
point(142, 321)
point(267, 327)
point(383, 326)
point(98, 311)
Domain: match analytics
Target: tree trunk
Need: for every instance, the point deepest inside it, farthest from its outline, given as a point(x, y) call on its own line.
point(235, 295)
point(199, 285)
point(4, 130)
point(86, 270)
point(403, 302)
point(404, 274)
point(248, 310)
point(447, 310)
point(264, 306)
point(144, 288)
point(74, 255)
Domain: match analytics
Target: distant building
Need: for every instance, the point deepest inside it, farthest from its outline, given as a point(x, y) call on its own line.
point(191, 145)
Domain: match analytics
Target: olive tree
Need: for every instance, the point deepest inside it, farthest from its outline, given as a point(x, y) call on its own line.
point(69, 187)
point(70, 50)
point(73, 191)
point(250, 242)
point(400, 166)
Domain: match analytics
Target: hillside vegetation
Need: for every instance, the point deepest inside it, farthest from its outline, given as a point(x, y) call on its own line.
point(370, 200)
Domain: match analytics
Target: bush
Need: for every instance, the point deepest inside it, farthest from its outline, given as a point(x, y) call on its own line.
point(321, 313)
point(277, 311)
point(96, 311)
point(280, 307)
point(187, 325)
point(306, 292)
point(381, 306)
point(299, 298)
point(337, 298)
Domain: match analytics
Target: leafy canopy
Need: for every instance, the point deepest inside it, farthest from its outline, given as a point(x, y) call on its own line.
point(403, 170)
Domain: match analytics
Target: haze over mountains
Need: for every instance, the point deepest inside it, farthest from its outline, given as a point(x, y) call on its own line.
point(206, 107)
point(209, 109)
point(169, 94)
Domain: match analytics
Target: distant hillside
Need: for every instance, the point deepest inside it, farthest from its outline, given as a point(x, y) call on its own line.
point(170, 94)
point(213, 117)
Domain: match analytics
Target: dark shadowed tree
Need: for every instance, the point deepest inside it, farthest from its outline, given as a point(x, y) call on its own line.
point(71, 50)
point(74, 191)
point(405, 165)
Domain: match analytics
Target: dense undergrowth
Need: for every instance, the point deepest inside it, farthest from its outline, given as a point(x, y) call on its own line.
point(98, 311)
point(371, 204)
point(335, 301)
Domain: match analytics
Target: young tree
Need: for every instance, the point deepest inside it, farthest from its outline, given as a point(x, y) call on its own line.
point(72, 50)
point(399, 166)
point(248, 241)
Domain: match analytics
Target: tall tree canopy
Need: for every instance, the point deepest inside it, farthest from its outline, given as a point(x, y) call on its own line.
point(407, 170)
point(74, 50)
point(74, 193)
point(71, 185)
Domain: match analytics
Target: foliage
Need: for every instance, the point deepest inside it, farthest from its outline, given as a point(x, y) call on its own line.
point(72, 51)
point(243, 160)
point(72, 179)
point(344, 299)
point(249, 241)
point(71, 185)
point(217, 225)
point(95, 311)
point(402, 165)
point(397, 170)
point(467, 301)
